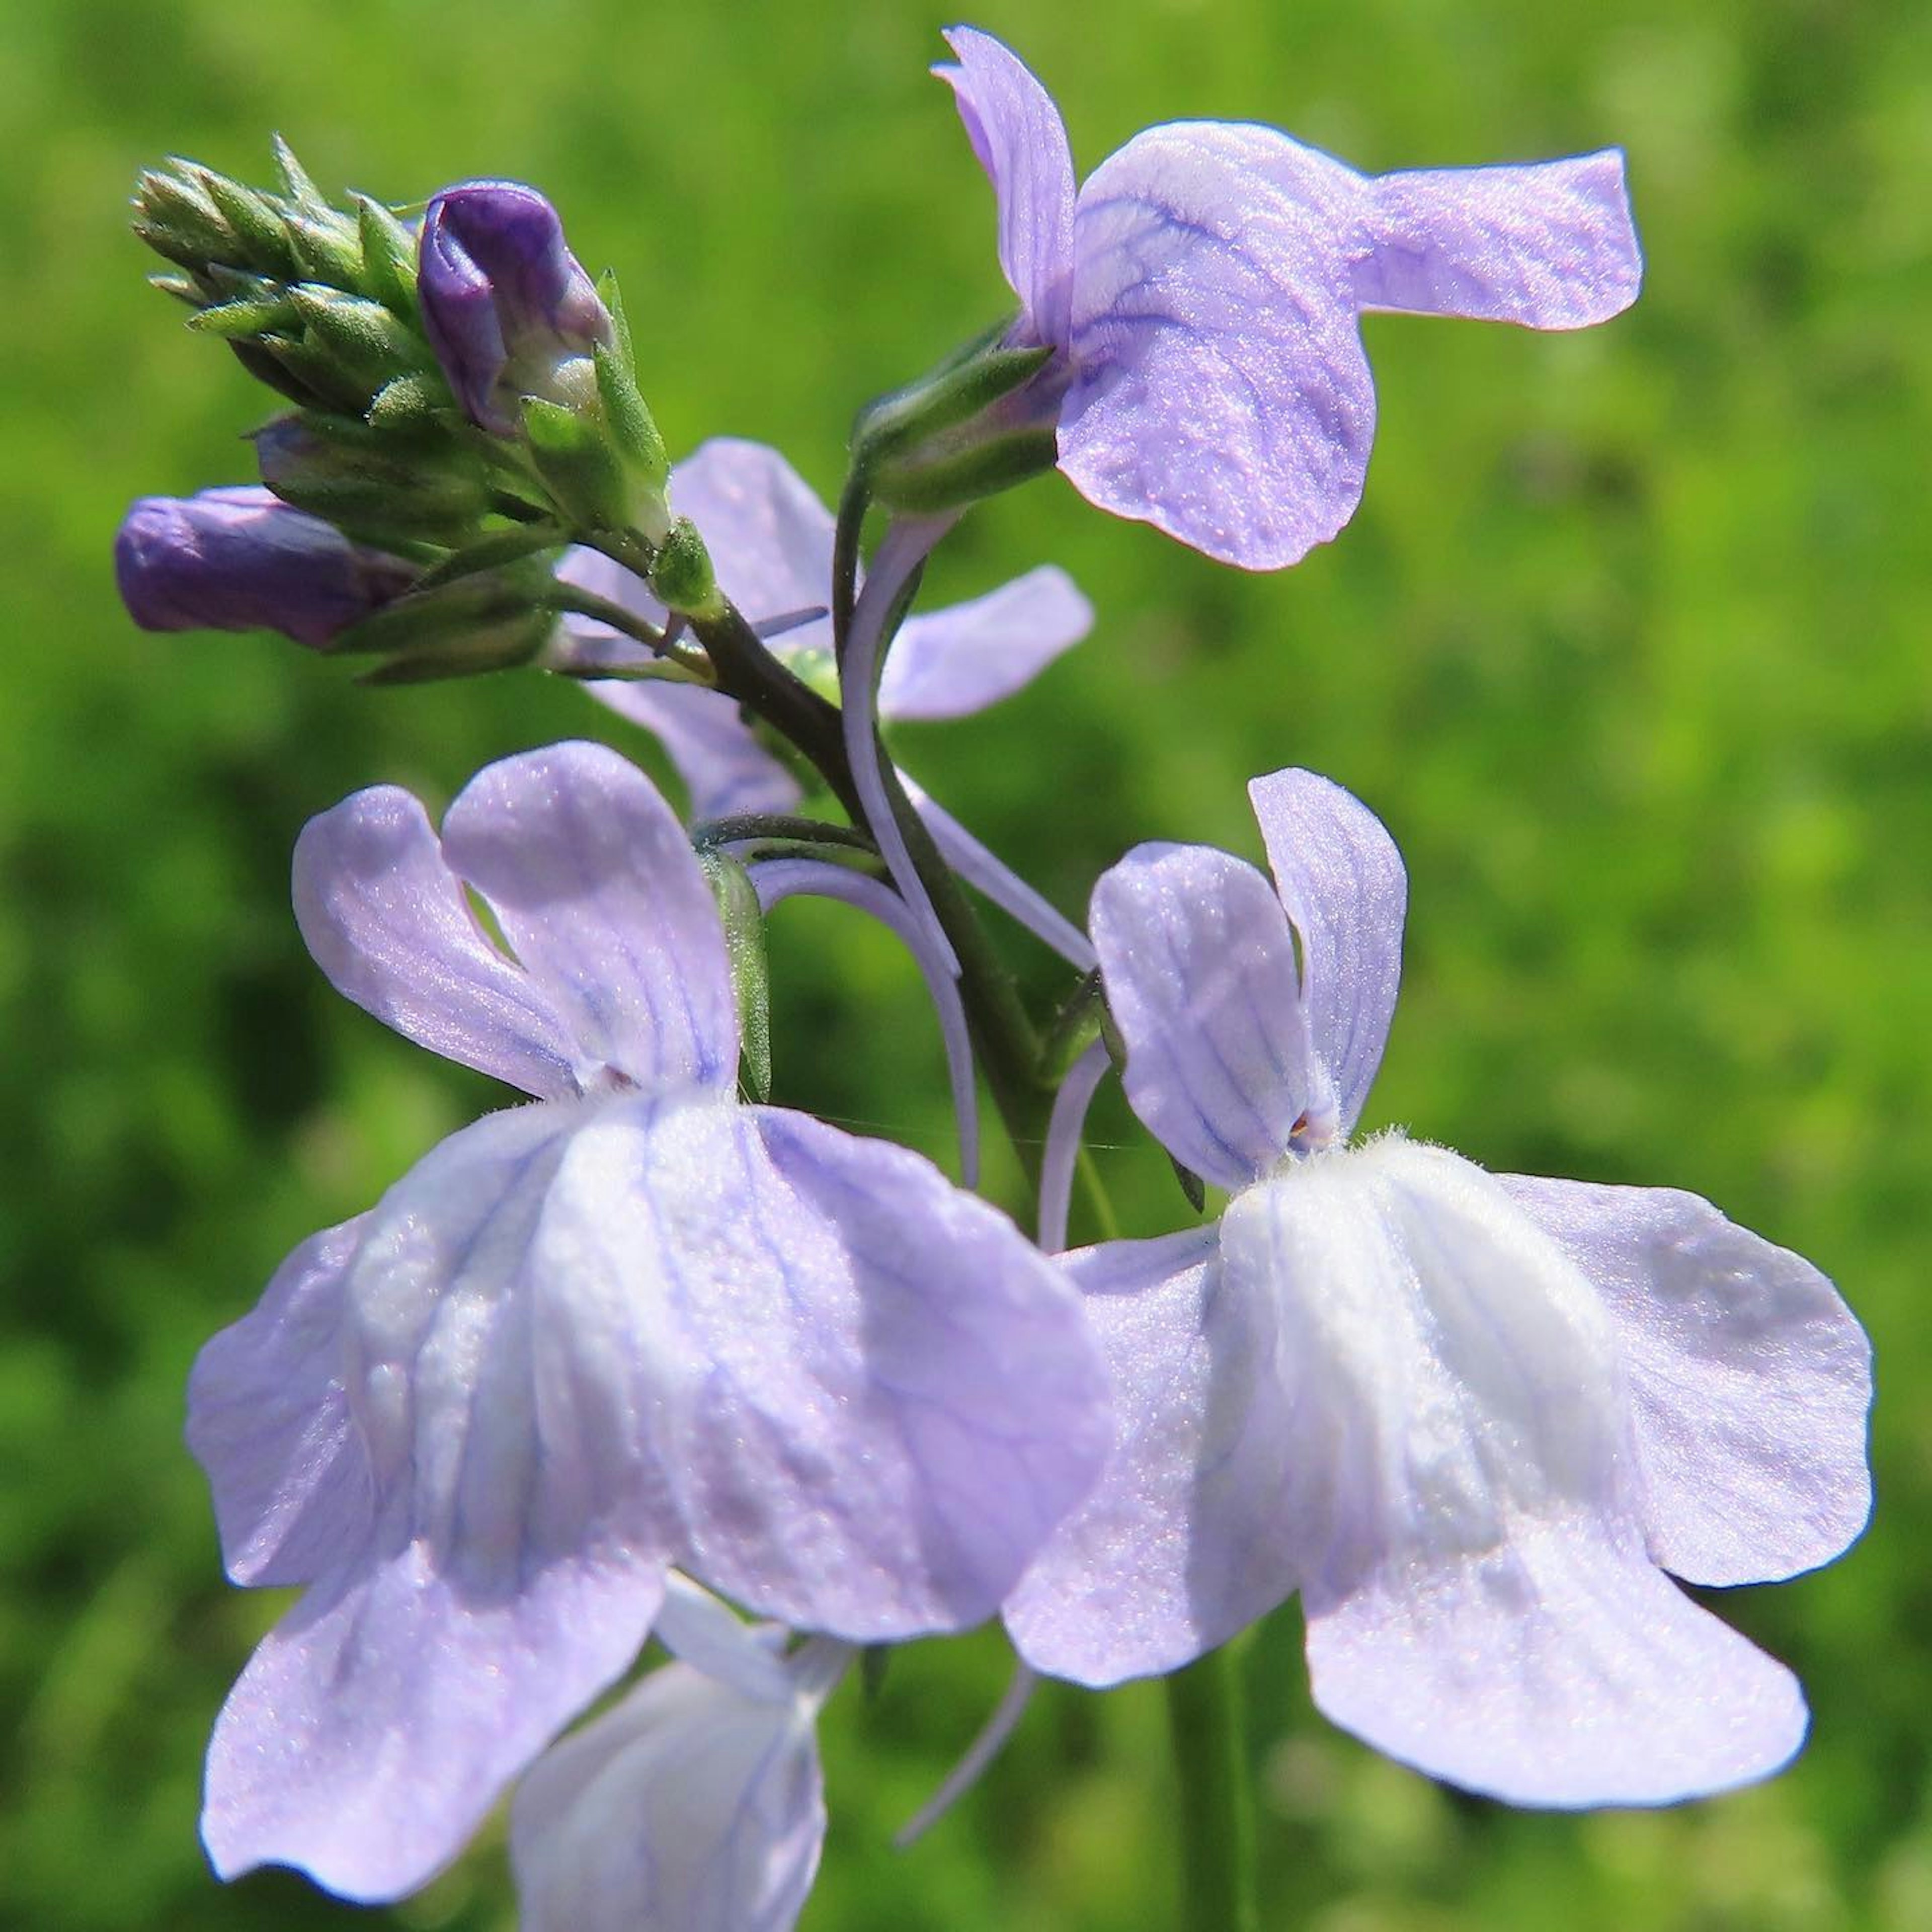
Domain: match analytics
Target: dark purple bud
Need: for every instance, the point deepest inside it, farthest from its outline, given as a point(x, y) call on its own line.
point(240, 559)
point(504, 301)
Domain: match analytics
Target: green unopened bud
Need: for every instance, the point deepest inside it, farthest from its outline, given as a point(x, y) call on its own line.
point(241, 321)
point(744, 921)
point(682, 576)
point(255, 221)
point(492, 621)
point(295, 178)
point(364, 479)
point(389, 257)
point(978, 469)
point(415, 408)
point(361, 338)
point(174, 218)
point(328, 247)
point(634, 434)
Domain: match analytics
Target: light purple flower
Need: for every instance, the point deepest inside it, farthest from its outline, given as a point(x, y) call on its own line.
point(239, 558)
point(1203, 288)
point(1472, 1418)
point(634, 1324)
point(770, 539)
point(504, 301)
point(697, 1804)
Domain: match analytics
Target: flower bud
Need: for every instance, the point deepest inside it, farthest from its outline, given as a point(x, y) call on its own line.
point(239, 559)
point(505, 303)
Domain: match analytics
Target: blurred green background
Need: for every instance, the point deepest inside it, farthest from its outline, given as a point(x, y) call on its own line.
point(1628, 645)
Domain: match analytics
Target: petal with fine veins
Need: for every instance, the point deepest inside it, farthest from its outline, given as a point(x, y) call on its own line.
point(386, 919)
point(1184, 1542)
point(1549, 245)
point(725, 768)
point(874, 1398)
point(1020, 142)
point(951, 663)
point(594, 882)
point(1199, 968)
point(1220, 392)
point(1341, 881)
point(1751, 1379)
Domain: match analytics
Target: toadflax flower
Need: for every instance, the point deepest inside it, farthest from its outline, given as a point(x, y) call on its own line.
point(1473, 1418)
point(1201, 292)
point(634, 1324)
point(505, 304)
point(239, 558)
point(771, 540)
point(697, 1804)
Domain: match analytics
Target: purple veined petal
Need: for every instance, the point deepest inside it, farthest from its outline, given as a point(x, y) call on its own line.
point(689, 1807)
point(380, 1720)
point(1549, 245)
point(1180, 1545)
point(951, 663)
point(1219, 391)
point(873, 1397)
point(1199, 967)
point(1751, 1379)
point(517, 1542)
point(1342, 880)
point(386, 920)
point(268, 1419)
point(594, 882)
point(1562, 1669)
point(769, 537)
point(777, 880)
point(1018, 135)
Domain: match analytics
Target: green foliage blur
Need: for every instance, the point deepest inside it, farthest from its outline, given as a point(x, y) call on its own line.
point(1629, 646)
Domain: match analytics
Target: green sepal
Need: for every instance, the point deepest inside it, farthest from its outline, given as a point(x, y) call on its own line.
point(265, 364)
point(633, 428)
point(325, 384)
point(489, 621)
point(608, 294)
point(240, 321)
point(682, 575)
point(979, 469)
point(295, 178)
point(491, 553)
point(388, 258)
point(329, 248)
point(256, 223)
point(744, 921)
point(183, 288)
point(953, 394)
point(174, 218)
point(415, 408)
point(1077, 1025)
point(363, 339)
point(578, 465)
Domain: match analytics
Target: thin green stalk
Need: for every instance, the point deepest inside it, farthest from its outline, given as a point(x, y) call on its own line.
point(1217, 1829)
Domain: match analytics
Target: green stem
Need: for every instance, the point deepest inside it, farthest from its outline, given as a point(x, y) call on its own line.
point(1217, 1871)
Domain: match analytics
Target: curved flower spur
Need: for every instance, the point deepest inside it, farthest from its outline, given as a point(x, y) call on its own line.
point(637, 1324)
point(1473, 1418)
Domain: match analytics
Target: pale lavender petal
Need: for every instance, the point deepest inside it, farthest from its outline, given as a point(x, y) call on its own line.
point(777, 879)
point(1220, 392)
point(687, 1807)
point(1549, 245)
point(1200, 973)
point(1020, 140)
point(381, 1719)
point(1182, 1544)
point(901, 552)
point(1560, 1668)
point(874, 1398)
point(769, 537)
point(594, 882)
point(951, 663)
point(268, 1419)
point(725, 768)
point(1342, 883)
point(986, 872)
point(386, 920)
point(1063, 1129)
point(1751, 1379)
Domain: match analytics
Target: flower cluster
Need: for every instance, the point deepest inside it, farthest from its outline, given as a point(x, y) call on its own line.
point(647, 1355)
